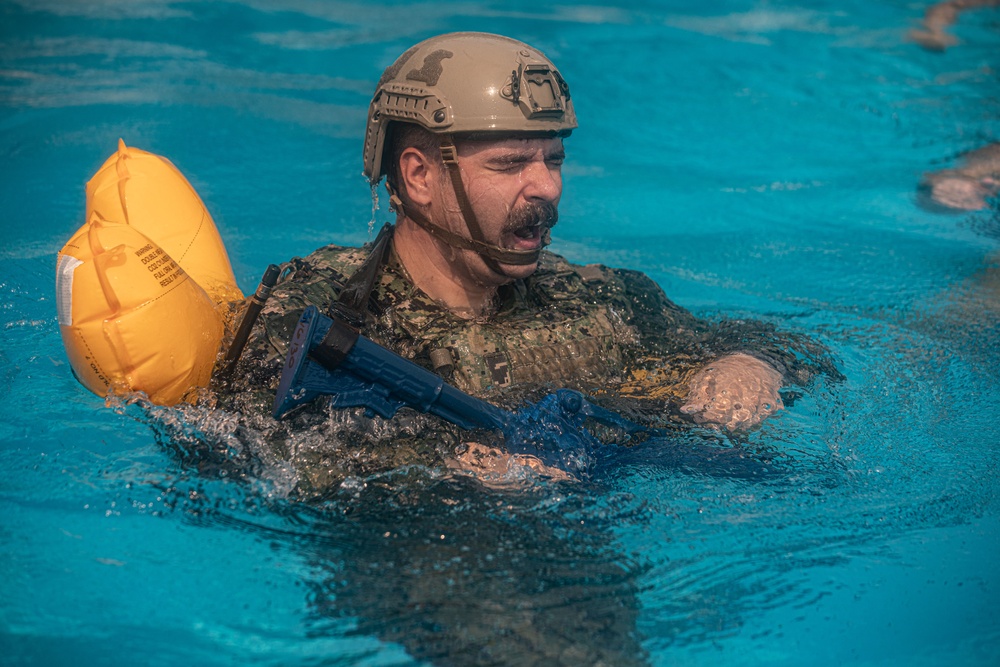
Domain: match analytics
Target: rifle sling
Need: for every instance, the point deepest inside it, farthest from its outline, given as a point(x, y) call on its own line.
point(353, 301)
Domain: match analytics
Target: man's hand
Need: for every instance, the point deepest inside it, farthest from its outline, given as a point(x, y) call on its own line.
point(495, 467)
point(735, 392)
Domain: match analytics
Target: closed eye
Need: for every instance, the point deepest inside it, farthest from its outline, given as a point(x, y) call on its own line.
point(509, 162)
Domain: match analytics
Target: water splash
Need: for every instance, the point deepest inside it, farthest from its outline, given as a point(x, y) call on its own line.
point(375, 208)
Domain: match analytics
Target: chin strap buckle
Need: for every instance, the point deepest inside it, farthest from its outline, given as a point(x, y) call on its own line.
point(395, 203)
point(448, 153)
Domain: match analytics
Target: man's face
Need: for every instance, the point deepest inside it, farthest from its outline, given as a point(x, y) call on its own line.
point(514, 186)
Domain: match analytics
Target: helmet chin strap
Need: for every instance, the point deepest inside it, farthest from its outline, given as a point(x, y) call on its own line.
point(491, 254)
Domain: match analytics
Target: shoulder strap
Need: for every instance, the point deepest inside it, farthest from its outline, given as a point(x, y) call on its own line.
point(352, 303)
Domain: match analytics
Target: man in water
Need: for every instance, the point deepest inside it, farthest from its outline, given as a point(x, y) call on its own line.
point(468, 130)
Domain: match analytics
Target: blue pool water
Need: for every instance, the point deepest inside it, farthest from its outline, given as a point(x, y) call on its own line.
point(758, 159)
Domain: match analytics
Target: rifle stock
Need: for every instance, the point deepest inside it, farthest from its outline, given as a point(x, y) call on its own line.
point(329, 357)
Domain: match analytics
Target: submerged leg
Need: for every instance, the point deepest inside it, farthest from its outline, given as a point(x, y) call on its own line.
point(459, 575)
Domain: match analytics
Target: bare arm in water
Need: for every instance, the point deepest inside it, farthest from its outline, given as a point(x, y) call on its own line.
point(968, 186)
point(931, 34)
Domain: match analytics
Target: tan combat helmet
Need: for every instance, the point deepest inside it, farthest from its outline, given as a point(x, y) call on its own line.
point(468, 84)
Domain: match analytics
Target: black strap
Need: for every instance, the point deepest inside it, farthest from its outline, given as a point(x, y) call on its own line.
point(352, 303)
point(507, 256)
point(450, 156)
point(491, 254)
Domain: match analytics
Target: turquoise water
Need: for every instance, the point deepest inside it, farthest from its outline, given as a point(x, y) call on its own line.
point(758, 159)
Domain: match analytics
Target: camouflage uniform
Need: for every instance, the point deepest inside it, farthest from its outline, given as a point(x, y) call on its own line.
point(607, 332)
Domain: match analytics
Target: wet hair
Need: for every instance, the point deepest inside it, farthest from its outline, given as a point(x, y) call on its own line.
point(399, 137)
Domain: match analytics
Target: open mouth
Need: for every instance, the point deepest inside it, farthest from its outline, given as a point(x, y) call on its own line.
point(529, 232)
point(527, 237)
point(525, 228)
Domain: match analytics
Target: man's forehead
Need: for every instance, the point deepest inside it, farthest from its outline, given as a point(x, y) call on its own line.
point(507, 145)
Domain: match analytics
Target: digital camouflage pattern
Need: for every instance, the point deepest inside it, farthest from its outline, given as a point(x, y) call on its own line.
point(565, 326)
point(611, 333)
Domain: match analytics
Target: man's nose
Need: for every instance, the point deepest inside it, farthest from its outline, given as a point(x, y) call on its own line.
point(542, 182)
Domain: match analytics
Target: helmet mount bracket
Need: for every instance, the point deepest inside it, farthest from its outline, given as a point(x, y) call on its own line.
point(538, 90)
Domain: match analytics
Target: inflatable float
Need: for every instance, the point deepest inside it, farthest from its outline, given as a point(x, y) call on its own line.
point(143, 287)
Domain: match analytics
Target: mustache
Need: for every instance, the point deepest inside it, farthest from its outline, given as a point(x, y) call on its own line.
point(543, 214)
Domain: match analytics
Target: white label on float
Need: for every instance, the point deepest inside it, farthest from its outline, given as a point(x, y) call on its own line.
point(64, 288)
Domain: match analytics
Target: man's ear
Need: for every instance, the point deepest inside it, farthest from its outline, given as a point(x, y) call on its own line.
point(418, 174)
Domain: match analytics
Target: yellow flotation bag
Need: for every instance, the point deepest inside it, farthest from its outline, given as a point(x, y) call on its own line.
point(143, 286)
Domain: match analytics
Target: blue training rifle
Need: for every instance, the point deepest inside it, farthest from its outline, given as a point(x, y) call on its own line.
point(328, 357)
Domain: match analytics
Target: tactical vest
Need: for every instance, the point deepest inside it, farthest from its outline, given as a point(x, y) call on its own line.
point(550, 329)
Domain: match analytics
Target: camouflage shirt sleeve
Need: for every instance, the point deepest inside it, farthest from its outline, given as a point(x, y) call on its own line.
point(667, 331)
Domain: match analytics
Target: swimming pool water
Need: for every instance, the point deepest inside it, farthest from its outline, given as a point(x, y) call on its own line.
point(758, 159)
